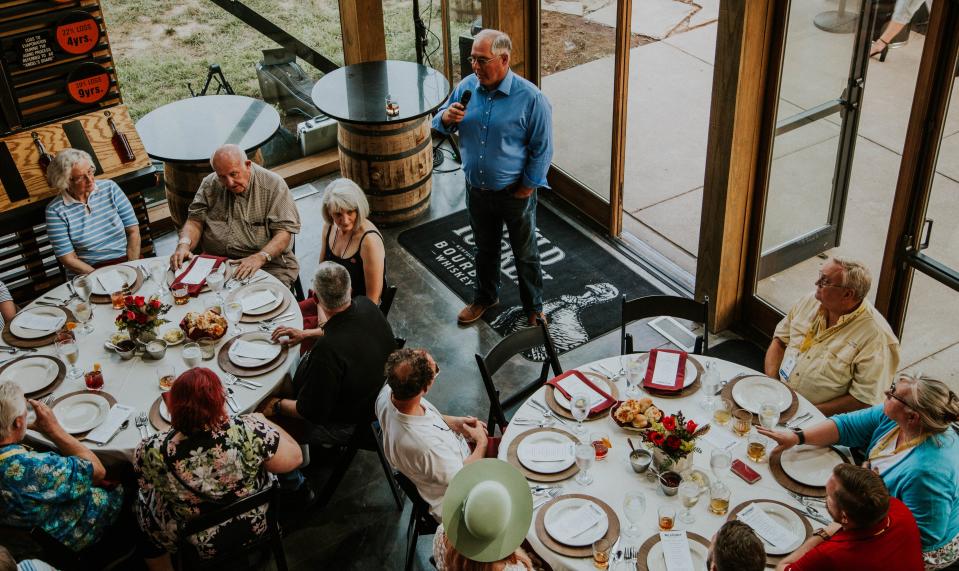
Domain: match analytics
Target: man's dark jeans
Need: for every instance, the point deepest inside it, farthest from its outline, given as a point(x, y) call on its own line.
point(488, 211)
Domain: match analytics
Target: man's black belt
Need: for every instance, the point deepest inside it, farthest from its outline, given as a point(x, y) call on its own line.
point(510, 188)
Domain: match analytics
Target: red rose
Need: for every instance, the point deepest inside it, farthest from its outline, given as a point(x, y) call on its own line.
point(656, 438)
point(691, 426)
point(139, 301)
point(142, 318)
point(155, 304)
point(128, 300)
point(673, 442)
point(669, 422)
point(130, 315)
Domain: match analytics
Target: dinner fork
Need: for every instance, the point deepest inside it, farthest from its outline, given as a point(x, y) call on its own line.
point(231, 402)
point(550, 494)
point(547, 413)
point(231, 380)
point(141, 422)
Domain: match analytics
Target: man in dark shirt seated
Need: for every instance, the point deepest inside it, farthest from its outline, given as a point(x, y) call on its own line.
point(337, 382)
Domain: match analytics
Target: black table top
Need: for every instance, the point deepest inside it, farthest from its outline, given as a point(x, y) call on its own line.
point(190, 130)
point(357, 93)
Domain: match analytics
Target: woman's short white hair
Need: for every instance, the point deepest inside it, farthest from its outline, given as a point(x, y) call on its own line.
point(58, 173)
point(344, 195)
point(12, 407)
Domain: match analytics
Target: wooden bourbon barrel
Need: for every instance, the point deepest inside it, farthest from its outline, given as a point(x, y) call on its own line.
point(182, 180)
point(393, 163)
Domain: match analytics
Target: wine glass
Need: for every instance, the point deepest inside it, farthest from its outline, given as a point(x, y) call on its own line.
point(158, 275)
point(585, 455)
point(69, 349)
point(634, 378)
point(233, 311)
point(215, 281)
point(634, 505)
point(711, 383)
point(579, 406)
point(83, 285)
point(83, 311)
point(689, 493)
point(720, 460)
point(769, 414)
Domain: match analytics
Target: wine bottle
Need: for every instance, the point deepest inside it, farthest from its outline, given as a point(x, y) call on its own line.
point(120, 142)
point(45, 157)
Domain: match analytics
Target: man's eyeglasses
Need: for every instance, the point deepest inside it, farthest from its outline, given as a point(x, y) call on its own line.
point(891, 394)
point(481, 61)
point(84, 176)
point(824, 282)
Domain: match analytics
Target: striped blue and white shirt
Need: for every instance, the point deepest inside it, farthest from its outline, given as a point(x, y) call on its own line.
point(96, 231)
point(4, 296)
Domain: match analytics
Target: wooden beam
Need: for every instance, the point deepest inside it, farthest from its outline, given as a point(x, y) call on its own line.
point(617, 167)
point(738, 112)
point(361, 24)
point(513, 17)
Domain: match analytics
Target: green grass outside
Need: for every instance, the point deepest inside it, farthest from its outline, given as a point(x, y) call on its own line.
point(160, 45)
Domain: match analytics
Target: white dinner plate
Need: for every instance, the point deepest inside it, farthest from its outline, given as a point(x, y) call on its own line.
point(751, 392)
point(655, 561)
point(164, 411)
point(259, 287)
point(260, 338)
point(128, 274)
point(524, 448)
point(690, 371)
point(789, 520)
point(32, 373)
point(558, 510)
point(47, 311)
point(82, 412)
point(810, 465)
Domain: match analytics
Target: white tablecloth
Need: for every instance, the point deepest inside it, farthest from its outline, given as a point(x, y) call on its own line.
point(613, 477)
point(134, 382)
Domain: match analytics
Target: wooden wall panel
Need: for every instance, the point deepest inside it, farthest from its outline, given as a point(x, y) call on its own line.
point(513, 17)
point(364, 37)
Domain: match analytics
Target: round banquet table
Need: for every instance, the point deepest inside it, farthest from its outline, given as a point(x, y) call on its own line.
point(613, 477)
point(134, 382)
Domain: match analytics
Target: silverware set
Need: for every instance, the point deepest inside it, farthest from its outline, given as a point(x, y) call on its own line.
point(234, 283)
point(609, 373)
point(122, 427)
point(142, 426)
point(547, 413)
point(270, 324)
point(812, 510)
point(231, 380)
point(547, 495)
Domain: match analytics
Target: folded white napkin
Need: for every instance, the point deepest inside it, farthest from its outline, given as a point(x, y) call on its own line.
point(676, 550)
point(767, 528)
point(118, 414)
point(576, 521)
point(200, 270)
point(667, 365)
point(261, 351)
point(110, 281)
point(547, 452)
point(258, 299)
point(572, 385)
point(721, 439)
point(40, 322)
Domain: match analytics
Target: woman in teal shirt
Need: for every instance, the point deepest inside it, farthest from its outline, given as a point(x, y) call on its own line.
point(912, 441)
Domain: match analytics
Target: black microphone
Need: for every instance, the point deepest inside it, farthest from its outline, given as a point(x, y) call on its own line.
point(464, 101)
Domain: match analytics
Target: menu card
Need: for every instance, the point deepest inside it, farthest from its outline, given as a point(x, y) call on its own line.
point(199, 270)
point(258, 299)
point(666, 370)
point(40, 322)
point(550, 452)
point(576, 521)
point(572, 382)
point(118, 414)
point(249, 350)
point(110, 281)
point(676, 550)
point(767, 528)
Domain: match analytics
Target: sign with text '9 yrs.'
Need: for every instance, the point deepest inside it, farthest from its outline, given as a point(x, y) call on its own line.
point(88, 83)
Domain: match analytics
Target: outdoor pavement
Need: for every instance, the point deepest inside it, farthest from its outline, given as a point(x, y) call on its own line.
point(670, 87)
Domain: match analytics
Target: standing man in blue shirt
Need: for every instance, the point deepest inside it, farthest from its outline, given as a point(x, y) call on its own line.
point(506, 140)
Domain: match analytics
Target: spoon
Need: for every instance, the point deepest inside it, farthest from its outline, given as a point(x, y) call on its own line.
point(630, 442)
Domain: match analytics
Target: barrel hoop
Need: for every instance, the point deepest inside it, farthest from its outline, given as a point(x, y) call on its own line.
point(372, 193)
point(383, 158)
point(375, 213)
point(412, 126)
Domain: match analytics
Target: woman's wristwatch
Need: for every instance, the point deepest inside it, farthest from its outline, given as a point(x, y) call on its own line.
point(801, 435)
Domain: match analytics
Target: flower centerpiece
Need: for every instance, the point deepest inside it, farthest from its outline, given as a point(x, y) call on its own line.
point(140, 317)
point(673, 439)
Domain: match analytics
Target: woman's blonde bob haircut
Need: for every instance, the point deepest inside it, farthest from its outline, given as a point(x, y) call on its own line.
point(344, 195)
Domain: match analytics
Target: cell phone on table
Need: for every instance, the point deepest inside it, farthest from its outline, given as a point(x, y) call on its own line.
point(740, 468)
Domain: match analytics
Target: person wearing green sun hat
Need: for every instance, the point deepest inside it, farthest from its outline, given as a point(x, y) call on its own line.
point(487, 510)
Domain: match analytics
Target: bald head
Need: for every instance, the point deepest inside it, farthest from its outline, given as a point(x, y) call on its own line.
point(232, 168)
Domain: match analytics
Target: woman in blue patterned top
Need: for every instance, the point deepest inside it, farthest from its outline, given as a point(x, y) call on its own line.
point(91, 223)
point(57, 492)
point(8, 309)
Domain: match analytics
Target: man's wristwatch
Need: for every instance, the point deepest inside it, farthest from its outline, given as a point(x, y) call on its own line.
point(276, 408)
point(266, 255)
point(184, 241)
point(801, 435)
point(822, 533)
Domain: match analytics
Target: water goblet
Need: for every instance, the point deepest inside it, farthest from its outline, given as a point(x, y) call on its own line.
point(634, 505)
point(215, 281)
point(233, 311)
point(83, 285)
point(69, 349)
point(769, 414)
point(719, 461)
point(83, 311)
point(634, 378)
point(585, 456)
point(711, 384)
point(579, 406)
point(689, 493)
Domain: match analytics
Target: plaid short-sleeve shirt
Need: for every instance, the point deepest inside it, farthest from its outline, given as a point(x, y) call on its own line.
point(239, 225)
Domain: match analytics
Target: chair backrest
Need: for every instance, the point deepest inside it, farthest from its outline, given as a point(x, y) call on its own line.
point(239, 507)
point(513, 344)
point(386, 299)
point(425, 523)
point(668, 305)
point(391, 473)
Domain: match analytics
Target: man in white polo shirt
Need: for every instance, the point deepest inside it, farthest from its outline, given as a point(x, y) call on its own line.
point(426, 446)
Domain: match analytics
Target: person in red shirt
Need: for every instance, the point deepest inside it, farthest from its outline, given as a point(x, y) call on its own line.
point(870, 531)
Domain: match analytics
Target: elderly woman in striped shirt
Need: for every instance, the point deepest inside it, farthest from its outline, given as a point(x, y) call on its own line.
point(91, 223)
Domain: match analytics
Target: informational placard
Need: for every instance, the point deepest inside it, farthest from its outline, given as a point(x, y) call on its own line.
point(77, 33)
point(88, 83)
point(35, 49)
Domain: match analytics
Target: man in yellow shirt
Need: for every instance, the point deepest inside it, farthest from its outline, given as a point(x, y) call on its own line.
point(834, 347)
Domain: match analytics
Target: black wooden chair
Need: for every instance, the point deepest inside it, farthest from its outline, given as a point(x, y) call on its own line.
point(421, 521)
point(297, 286)
point(513, 344)
point(386, 300)
point(36, 543)
point(665, 305)
point(271, 538)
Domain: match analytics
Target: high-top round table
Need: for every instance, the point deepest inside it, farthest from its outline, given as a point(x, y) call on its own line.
point(134, 383)
point(184, 134)
point(613, 477)
point(389, 157)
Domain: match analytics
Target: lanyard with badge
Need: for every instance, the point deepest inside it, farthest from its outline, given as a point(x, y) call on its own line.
point(817, 333)
point(877, 451)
